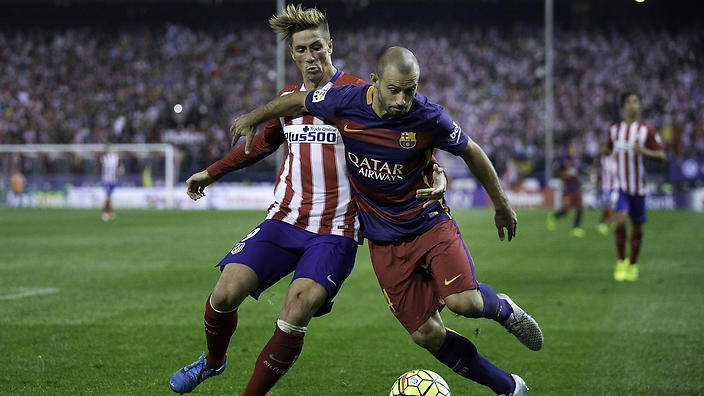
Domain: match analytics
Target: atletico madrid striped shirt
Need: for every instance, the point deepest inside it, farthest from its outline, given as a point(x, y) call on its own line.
point(312, 191)
point(608, 173)
point(623, 140)
point(109, 163)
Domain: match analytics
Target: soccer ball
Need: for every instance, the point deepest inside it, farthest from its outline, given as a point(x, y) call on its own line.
point(420, 383)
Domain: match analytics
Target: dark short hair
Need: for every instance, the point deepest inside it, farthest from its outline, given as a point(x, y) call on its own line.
point(626, 94)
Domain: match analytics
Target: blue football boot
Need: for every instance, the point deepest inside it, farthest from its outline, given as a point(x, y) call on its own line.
point(187, 378)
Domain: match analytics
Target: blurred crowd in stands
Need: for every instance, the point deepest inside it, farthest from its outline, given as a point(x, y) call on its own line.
point(185, 85)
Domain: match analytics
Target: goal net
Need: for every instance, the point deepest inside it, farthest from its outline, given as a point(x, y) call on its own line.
point(69, 175)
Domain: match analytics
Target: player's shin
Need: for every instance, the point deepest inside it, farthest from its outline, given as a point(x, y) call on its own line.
point(605, 215)
point(620, 236)
point(459, 354)
point(636, 240)
point(495, 308)
point(578, 218)
point(219, 327)
point(276, 358)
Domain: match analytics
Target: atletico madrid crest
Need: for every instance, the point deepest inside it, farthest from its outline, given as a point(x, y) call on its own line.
point(407, 140)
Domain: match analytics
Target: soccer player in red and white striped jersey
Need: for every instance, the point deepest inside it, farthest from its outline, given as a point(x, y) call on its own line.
point(606, 167)
point(311, 229)
point(631, 141)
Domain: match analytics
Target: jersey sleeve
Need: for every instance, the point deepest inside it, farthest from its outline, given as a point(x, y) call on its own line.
point(609, 139)
point(264, 144)
point(449, 136)
point(653, 141)
point(327, 101)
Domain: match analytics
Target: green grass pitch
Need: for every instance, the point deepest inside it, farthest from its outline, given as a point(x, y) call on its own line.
point(96, 308)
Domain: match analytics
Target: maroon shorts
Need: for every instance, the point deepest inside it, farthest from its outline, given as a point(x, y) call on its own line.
point(572, 200)
point(416, 275)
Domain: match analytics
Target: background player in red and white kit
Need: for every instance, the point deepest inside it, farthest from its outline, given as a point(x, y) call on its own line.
point(570, 170)
point(417, 251)
point(109, 167)
point(630, 141)
point(605, 171)
point(311, 229)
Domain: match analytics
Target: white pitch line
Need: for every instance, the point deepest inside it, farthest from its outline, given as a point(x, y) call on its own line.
point(29, 293)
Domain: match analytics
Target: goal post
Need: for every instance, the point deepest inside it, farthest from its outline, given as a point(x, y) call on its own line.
point(13, 156)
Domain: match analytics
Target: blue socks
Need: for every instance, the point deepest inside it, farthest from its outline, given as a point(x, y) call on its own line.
point(494, 307)
point(459, 354)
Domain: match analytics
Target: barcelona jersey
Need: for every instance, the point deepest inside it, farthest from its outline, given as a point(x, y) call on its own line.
point(389, 159)
point(570, 169)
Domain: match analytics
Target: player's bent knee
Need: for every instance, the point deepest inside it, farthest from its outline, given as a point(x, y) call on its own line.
point(303, 299)
point(468, 303)
point(620, 217)
point(236, 282)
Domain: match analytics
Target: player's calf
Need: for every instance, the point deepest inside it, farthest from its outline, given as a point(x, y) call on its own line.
point(431, 334)
point(459, 354)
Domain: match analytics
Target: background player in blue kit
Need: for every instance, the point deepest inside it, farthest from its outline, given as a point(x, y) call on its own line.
point(417, 251)
point(109, 169)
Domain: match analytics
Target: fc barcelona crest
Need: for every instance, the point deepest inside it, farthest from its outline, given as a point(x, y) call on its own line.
point(407, 140)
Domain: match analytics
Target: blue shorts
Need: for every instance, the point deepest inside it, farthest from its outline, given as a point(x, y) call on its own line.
point(608, 198)
point(274, 249)
point(634, 204)
point(109, 187)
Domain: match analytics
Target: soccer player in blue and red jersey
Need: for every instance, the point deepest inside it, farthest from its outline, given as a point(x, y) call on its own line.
point(570, 169)
point(311, 228)
point(417, 251)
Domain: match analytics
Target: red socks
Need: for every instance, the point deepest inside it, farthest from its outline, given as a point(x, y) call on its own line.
point(219, 328)
point(636, 239)
point(605, 215)
point(276, 358)
point(620, 234)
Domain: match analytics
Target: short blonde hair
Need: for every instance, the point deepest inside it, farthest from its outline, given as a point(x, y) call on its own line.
point(295, 19)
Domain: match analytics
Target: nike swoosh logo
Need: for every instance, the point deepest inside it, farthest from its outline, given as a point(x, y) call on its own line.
point(271, 356)
point(447, 282)
point(331, 281)
point(346, 129)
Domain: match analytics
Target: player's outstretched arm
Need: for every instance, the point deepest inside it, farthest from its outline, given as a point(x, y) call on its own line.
point(481, 167)
point(287, 105)
point(656, 154)
point(197, 184)
point(265, 143)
